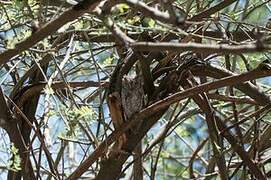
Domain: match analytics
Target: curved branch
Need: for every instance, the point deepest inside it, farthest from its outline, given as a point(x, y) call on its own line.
point(247, 87)
point(37, 88)
point(161, 105)
point(69, 15)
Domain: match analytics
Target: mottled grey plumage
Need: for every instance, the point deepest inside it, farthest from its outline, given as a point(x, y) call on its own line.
point(132, 94)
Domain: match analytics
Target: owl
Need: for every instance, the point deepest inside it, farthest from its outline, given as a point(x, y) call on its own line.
point(132, 95)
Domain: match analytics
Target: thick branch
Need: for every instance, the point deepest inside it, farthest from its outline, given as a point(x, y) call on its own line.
point(200, 48)
point(159, 106)
point(48, 29)
point(37, 88)
point(247, 87)
point(4, 111)
point(212, 10)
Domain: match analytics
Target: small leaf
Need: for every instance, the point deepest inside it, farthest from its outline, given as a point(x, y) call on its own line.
point(148, 22)
point(120, 8)
point(123, 8)
point(108, 61)
point(15, 161)
point(134, 20)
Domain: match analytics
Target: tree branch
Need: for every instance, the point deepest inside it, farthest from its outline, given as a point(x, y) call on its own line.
point(200, 48)
point(49, 28)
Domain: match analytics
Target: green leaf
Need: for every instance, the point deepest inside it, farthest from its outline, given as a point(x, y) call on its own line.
point(148, 22)
point(15, 161)
point(134, 20)
point(108, 61)
point(120, 8)
point(75, 115)
point(123, 7)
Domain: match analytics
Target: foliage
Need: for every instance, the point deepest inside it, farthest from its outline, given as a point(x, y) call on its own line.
point(15, 161)
point(187, 80)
